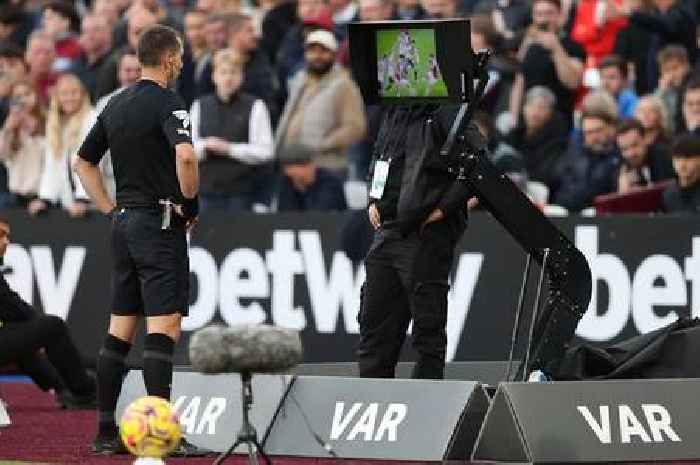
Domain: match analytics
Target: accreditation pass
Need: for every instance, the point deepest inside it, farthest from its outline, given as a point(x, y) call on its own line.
point(381, 172)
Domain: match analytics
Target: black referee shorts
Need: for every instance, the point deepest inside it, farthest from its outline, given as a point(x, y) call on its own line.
point(150, 265)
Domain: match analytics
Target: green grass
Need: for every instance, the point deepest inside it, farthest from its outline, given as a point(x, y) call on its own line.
point(387, 45)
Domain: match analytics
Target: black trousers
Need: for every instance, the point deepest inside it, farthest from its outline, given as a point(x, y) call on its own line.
point(20, 343)
point(406, 280)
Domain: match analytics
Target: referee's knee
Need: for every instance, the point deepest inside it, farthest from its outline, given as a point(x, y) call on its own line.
point(165, 324)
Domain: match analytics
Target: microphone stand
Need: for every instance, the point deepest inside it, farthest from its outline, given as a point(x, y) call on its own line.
point(247, 434)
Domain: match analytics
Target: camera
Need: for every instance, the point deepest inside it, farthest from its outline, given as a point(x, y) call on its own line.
point(543, 27)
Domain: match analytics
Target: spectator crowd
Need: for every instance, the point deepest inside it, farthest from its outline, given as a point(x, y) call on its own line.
point(585, 97)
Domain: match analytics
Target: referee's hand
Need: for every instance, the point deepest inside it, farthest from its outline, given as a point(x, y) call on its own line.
point(374, 216)
point(190, 221)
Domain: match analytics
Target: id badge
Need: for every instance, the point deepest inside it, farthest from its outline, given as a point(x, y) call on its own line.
point(381, 172)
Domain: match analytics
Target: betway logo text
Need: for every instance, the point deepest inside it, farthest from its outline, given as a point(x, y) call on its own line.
point(251, 286)
point(247, 278)
point(651, 423)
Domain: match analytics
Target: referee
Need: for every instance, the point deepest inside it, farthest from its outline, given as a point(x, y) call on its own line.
point(146, 127)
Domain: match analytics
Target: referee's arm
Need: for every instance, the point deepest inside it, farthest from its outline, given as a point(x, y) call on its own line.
point(187, 167)
point(86, 166)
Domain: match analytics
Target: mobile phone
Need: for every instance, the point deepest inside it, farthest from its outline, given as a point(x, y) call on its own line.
point(543, 27)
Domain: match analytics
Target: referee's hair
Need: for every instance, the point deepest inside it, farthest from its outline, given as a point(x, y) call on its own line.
point(157, 41)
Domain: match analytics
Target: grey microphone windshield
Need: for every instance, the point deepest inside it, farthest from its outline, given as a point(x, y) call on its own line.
point(246, 348)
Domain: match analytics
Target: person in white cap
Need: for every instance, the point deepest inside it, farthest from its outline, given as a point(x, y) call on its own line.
point(324, 111)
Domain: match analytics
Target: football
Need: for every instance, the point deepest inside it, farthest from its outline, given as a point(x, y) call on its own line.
point(150, 427)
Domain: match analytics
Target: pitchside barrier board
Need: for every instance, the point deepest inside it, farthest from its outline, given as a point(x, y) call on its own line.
point(592, 421)
point(290, 270)
point(378, 419)
point(210, 405)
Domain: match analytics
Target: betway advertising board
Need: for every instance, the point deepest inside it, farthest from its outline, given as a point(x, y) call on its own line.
point(289, 270)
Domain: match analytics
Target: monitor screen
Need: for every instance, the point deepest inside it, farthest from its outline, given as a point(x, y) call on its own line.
point(407, 64)
point(412, 62)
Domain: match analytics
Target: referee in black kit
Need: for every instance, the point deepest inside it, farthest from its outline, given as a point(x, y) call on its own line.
point(146, 127)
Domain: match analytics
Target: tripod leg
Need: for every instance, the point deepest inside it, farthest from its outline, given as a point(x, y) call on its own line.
point(262, 453)
point(252, 453)
point(518, 313)
point(220, 459)
point(535, 310)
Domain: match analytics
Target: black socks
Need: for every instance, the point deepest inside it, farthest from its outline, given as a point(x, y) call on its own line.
point(158, 364)
point(110, 374)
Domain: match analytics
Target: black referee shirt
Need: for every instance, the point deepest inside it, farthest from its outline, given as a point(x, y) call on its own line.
point(141, 126)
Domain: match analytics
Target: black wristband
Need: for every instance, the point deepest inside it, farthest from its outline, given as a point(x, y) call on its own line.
point(190, 207)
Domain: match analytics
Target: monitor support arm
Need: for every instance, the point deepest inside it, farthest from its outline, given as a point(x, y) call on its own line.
point(568, 273)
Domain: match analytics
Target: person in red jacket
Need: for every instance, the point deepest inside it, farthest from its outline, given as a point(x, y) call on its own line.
point(61, 21)
point(596, 26)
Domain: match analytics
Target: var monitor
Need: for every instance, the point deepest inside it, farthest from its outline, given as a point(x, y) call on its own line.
point(407, 62)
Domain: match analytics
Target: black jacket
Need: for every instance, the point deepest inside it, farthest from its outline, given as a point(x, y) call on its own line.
point(585, 176)
point(12, 307)
point(418, 180)
point(677, 200)
point(544, 151)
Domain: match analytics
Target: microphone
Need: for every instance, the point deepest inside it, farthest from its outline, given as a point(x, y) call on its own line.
point(245, 348)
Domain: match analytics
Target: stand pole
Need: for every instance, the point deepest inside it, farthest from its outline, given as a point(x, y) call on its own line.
point(535, 311)
point(247, 435)
point(518, 314)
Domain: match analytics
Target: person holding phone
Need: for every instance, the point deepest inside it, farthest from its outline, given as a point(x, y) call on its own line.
point(22, 144)
point(548, 58)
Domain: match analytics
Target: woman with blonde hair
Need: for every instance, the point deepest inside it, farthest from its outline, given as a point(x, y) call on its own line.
point(22, 143)
point(653, 115)
point(69, 120)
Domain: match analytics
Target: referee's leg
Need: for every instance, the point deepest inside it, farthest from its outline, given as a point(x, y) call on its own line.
point(127, 307)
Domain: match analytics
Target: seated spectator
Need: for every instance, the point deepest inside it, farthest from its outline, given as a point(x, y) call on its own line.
point(129, 72)
point(669, 23)
point(325, 110)
point(216, 38)
point(691, 105)
point(441, 9)
point(370, 10)
point(342, 12)
point(15, 25)
point(62, 22)
point(39, 57)
point(675, 69)
point(232, 136)
point(26, 335)
point(96, 42)
point(22, 144)
point(409, 10)
point(258, 76)
point(194, 33)
point(613, 79)
point(588, 171)
point(541, 137)
point(641, 164)
point(651, 112)
point(510, 18)
point(306, 186)
point(107, 79)
point(313, 15)
point(69, 120)
point(275, 23)
point(13, 69)
point(684, 197)
point(548, 59)
point(107, 9)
